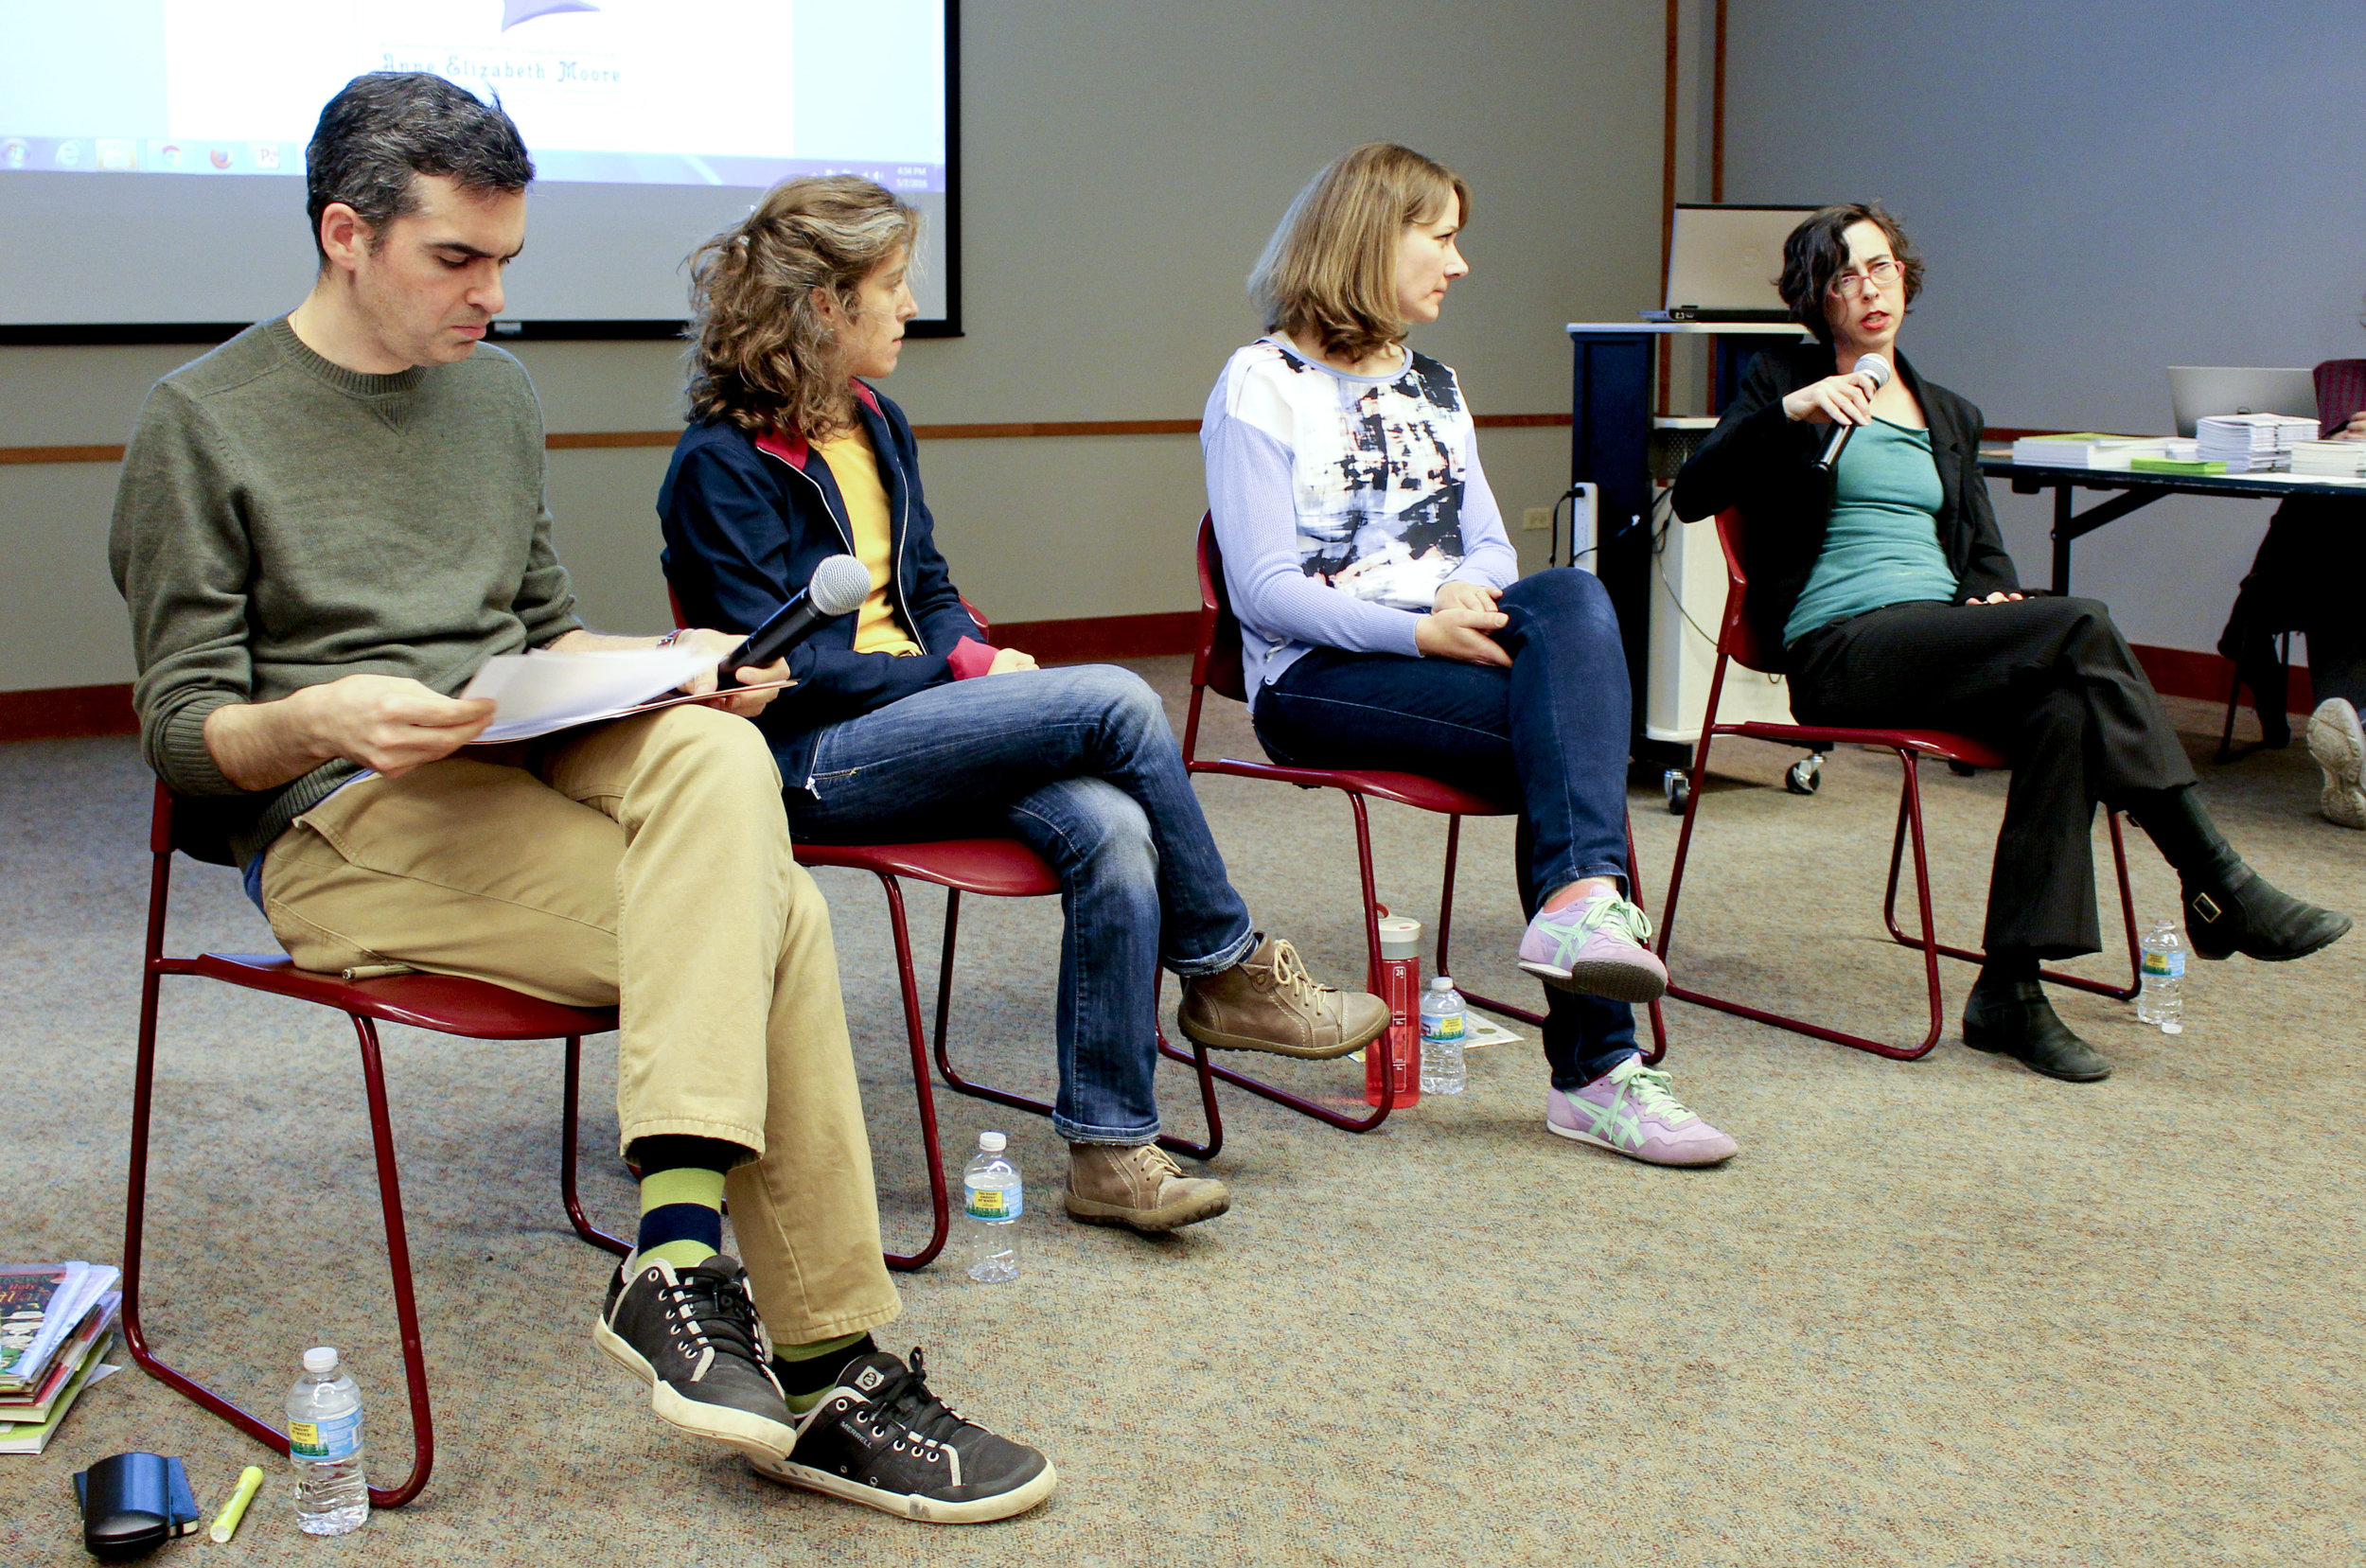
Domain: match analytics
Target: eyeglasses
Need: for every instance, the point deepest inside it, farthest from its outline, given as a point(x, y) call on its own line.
point(1880, 274)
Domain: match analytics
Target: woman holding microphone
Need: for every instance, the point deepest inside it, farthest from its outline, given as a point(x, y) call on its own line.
point(1886, 582)
point(904, 724)
point(1386, 626)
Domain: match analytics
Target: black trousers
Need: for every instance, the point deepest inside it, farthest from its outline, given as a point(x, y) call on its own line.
point(2052, 684)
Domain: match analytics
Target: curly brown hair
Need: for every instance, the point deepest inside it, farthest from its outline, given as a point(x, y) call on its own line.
point(762, 354)
point(1817, 251)
point(1329, 270)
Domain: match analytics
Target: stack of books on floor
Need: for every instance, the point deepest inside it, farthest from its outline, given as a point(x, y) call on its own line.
point(2252, 443)
point(57, 1321)
point(2330, 459)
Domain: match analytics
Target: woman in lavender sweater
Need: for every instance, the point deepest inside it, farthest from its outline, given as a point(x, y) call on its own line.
point(1385, 623)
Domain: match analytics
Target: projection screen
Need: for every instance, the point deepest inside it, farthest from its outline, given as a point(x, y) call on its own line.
point(151, 151)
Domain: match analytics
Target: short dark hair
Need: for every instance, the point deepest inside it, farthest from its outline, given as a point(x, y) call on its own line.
point(385, 128)
point(1818, 250)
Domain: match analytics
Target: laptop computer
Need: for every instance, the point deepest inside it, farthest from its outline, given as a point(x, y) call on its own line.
point(2196, 391)
point(1722, 262)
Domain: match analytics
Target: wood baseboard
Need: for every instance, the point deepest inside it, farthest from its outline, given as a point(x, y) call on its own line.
point(67, 712)
point(2183, 672)
point(1097, 639)
point(74, 713)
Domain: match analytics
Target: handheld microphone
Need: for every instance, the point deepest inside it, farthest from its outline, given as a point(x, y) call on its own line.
point(1867, 364)
point(839, 586)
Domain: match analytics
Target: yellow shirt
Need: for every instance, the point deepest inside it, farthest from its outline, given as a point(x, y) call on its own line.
point(857, 470)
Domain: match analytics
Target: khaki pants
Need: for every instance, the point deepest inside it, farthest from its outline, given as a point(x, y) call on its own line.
point(647, 867)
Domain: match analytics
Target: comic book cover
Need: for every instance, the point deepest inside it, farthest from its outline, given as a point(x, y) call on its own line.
point(40, 1304)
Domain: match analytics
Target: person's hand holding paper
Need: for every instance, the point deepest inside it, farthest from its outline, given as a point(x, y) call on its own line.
point(568, 683)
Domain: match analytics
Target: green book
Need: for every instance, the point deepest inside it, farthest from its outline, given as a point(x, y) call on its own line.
point(2173, 466)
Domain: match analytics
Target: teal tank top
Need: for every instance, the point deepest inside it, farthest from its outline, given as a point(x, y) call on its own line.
point(1881, 544)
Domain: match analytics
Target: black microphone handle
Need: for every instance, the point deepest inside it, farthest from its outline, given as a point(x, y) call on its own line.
point(1832, 448)
point(790, 625)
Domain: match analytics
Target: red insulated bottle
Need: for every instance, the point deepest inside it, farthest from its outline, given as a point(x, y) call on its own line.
point(1398, 1051)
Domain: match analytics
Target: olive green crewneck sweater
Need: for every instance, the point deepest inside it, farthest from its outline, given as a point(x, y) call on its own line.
point(283, 521)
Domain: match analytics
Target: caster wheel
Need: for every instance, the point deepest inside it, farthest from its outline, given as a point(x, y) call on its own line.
point(1961, 770)
point(1806, 776)
point(1678, 787)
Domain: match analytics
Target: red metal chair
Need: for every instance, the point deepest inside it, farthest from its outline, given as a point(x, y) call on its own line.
point(1216, 666)
point(470, 1009)
point(1738, 643)
point(996, 868)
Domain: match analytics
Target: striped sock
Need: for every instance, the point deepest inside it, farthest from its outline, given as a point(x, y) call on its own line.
point(682, 1217)
point(809, 1371)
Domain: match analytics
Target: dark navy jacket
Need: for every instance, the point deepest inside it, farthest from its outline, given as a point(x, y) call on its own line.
point(745, 523)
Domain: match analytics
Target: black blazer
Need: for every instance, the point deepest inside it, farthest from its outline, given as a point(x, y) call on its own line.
point(1765, 465)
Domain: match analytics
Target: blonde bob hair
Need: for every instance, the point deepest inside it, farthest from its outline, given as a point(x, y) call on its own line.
point(1328, 274)
point(762, 354)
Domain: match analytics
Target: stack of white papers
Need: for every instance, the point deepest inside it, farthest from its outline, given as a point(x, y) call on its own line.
point(534, 694)
point(2341, 459)
point(2087, 450)
point(2252, 443)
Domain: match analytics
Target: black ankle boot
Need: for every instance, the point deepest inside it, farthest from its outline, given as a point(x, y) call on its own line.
point(2011, 1018)
point(2229, 908)
point(2241, 912)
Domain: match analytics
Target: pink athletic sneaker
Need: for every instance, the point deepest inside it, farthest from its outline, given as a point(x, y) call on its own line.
point(1595, 946)
point(1629, 1111)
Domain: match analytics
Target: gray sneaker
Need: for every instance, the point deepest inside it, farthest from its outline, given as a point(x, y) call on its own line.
point(694, 1336)
point(2339, 749)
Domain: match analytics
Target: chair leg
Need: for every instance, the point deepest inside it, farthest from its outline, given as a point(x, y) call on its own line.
point(1634, 895)
point(1974, 954)
point(1536, 1020)
point(1909, 816)
point(1371, 937)
point(568, 1138)
point(398, 1265)
point(134, 1238)
point(398, 1254)
point(923, 1091)
point(1445, 935)
point(1043, 1107)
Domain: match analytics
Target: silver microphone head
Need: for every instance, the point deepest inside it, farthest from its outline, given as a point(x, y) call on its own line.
point(1874, 366)
point(839, 586)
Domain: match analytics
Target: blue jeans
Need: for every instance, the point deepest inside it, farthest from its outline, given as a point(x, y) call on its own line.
point(1551, 732)
point(1080, 765)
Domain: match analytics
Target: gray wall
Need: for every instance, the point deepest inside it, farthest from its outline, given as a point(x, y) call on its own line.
point(2101, 190)
point(1124, 163)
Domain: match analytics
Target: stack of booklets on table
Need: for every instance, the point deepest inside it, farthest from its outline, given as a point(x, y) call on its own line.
point(2177, 455)
point(2252, 443)
point(2330, 459)
point(2088, 450)
point(57, 1321)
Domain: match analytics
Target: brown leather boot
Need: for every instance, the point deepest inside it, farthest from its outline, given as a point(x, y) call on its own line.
point(1138, 1185)
point(1269, 1002)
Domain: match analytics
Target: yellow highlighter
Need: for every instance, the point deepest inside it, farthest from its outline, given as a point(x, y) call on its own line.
point(227, 1522)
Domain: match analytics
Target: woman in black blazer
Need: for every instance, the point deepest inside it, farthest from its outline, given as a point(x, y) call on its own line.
point(1885, 583)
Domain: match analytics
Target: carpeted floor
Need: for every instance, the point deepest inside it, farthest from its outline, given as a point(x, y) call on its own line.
point(1942, 1311)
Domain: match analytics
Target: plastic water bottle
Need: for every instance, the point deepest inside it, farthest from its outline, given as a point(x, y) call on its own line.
point(993, 1199)
point(1444, 1022)
point(2159, 1001)
point(324, 1445)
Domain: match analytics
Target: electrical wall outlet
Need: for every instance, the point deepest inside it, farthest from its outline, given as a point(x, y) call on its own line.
point(1537, 520)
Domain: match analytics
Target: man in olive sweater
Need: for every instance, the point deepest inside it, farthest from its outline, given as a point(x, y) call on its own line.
point(324, 528)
